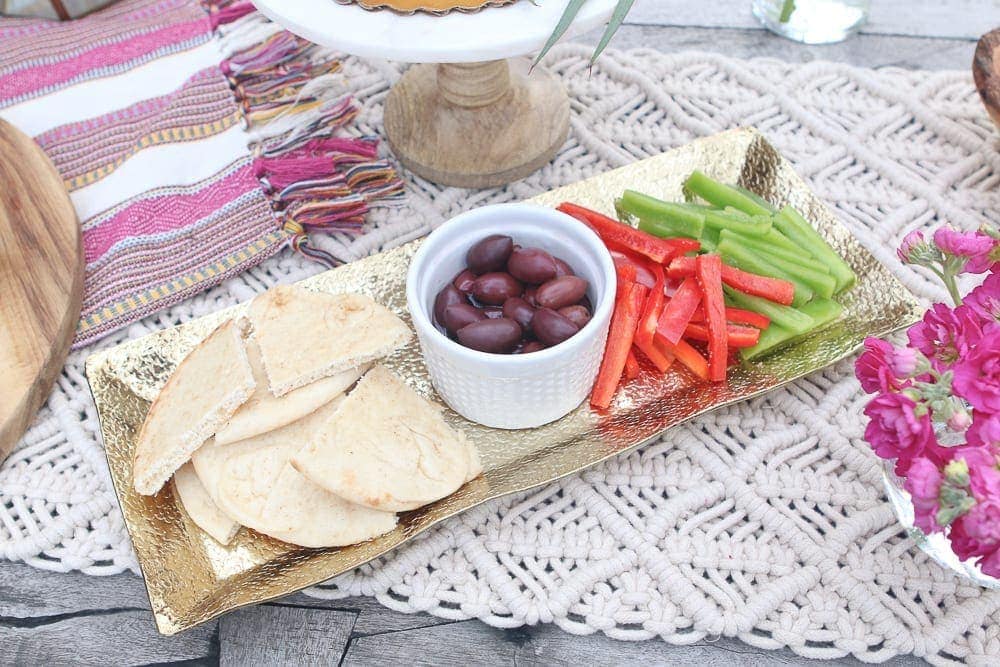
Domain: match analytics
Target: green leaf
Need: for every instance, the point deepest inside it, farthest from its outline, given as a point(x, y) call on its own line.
point(786, 11)
point(621, 11)
point(572, 9)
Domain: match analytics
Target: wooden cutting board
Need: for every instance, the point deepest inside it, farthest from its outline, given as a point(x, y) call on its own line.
point(41, 280)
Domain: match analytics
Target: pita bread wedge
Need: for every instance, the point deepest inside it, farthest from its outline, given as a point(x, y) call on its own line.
point(200, 507)
point(262, 491)
point(336, 331)
point(265, 412)
point(208, 386)
point(386, 448)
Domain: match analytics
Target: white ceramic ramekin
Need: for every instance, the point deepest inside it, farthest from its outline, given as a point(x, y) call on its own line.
point(504, 390)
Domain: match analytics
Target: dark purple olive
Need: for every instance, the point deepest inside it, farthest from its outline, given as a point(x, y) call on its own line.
point(493, 312)
point(552, 328)
point(520, 311)
point(532, 265)
point(562, 268)
point(461, 315)
point(585, 302)
point(498, 336)
point(490, 254)
point(561, 292)
point(464, 281)
point(449, 296)
point(532, 346)
point(578, 315)
point(495, 288)
point(529, 296)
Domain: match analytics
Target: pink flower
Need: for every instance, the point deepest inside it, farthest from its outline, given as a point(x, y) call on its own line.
point(959, 421)
point(896, 432)
point(984, 475)
point(913, 241)
point(945, 335)
point(923, 481)
point(903, 362)
point(985, 430)
point(991, 564)
point(974, 246)
point(977, 373)
point(872, 367)
point(982, 526)
point(984, 301)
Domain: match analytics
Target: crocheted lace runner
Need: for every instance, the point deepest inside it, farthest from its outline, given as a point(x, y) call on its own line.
point(765, 521)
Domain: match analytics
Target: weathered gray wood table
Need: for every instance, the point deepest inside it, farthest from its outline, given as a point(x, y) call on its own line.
point(58, 619)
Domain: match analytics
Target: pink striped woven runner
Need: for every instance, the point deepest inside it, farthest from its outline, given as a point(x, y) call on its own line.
point(195, 139)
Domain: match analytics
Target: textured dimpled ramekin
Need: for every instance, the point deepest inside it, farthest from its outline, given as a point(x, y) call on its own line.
point(511, 390)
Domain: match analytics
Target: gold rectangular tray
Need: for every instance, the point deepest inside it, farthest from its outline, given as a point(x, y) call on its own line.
point(191, 578)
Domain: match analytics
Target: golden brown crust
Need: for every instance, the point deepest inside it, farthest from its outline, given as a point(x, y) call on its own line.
point(429, 6)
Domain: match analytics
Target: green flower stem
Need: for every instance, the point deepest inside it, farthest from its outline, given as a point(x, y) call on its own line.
point(948, 278)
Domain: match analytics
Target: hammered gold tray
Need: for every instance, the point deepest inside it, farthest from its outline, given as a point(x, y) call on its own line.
point(191, 578)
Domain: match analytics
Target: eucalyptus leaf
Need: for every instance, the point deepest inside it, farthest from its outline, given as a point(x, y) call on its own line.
point(572, 9)
point(621, 11)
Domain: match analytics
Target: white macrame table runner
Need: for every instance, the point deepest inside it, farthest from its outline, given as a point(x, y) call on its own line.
point(764, 521)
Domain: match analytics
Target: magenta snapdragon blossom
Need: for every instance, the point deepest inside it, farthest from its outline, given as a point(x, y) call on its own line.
point(874, 367)
point(897, 432)
point(984, 300)
point(913, 241)
point(984, 471)
point(923, 482)
point(977, 373)
point(975, 247)
point(945, 335)
point(985, 430)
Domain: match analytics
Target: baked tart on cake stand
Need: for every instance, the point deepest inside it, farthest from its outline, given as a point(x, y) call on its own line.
point(467, 113)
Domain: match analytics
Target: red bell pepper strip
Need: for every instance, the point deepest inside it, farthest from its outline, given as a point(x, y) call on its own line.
point(631, 366)
point(747, 317)
point(652, 309)
point(657, 355)
point(678, 311)
point(611, 231)
point(688, 356)
point(624, 319)
point(626, 275)
point(772, 289)
point(709, 275)
point(643, 275)
point(736, 336)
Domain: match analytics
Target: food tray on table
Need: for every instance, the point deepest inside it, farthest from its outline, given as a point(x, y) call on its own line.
point(191, 578)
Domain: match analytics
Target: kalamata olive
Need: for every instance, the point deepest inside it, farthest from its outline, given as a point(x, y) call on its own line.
point(493, 312)
point(449, 296)
point(520, 311)
point(532, 346)
point(578, 315)
point(585, 302)
point(495, 288)
point(461, 315)
point(561, 292)
point(532, 265)
point(562, 268)
point(464, 281)
point(490, 254)
point(497, 336)
point(529, 296)
point(552, 328)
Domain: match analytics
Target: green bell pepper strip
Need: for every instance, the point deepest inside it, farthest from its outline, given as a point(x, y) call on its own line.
point(721, 195)
point(790, 223)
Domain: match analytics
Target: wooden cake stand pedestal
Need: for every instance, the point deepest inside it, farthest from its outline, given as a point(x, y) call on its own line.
point(470, 115)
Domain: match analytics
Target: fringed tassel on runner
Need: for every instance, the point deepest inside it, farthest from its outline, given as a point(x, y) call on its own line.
point(293, 107)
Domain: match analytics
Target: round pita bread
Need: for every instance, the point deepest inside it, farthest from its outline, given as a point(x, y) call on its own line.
point(200, 507)
point(387, 448)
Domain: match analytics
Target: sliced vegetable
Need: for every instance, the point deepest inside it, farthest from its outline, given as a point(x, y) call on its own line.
point(766, 244)
point(721, 195)
point(641, 275)
point(744, 259)
point(773, 289)
point(797, 229)
point(659, 250)
point(821, 311)
point(756, 197)
point(631, 366)
point(662, 218)
point(736, 336)
point(687, 355)
point(660, 358)
point(815, 279)
point(748, 317)
point(626, 273)
point(678, 311)
point(784, 316)
point(651, 309)
point(628, 303)
point(709, 274)
point(725, 220)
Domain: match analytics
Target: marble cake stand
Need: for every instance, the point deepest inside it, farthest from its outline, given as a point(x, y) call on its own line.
point(468, 114)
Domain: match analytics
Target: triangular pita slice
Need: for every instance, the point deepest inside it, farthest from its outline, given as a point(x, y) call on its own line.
point(304, 335)
point(387, 448)
point(208, 386)
point(200, 507)
point(265, 412)
point(262, 491)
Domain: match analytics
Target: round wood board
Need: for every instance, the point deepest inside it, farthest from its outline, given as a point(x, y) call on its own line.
point(41, 280)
